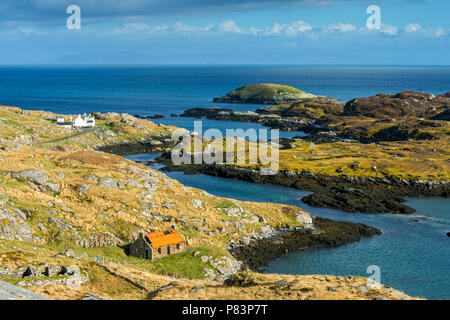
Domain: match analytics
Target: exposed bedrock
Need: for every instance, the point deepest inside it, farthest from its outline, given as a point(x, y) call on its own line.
point(325, 233)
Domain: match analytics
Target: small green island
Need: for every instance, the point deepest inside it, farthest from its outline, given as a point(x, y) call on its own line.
point(265, 93)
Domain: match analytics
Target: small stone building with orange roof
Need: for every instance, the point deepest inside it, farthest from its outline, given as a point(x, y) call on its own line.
point(157, 245)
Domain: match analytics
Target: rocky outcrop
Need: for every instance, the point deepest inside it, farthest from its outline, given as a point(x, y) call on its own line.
point(13, 226)
point(38, 180)
point(92, 240)
point(156, 116)
point(108, 182)
point(10, 292)
point(399, 117)
point(224, 266)
point(151, 144)
point(256, 251)
point(356, 200)
point(444, 115)
point(271, 120)
point(403, 104)
point(353, 194)
point(313, 109)
point(97, 240)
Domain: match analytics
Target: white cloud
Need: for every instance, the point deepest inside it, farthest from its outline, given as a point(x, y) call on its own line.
point(389, 29)
point(412, 27)
point(438, 32)
point(286, 30)
point(297, 27)
point(277, 29)
point(229, 26)
point(180, 27)
point(429, 32)
point(253, 31)
point(339, 27)
point(26, 31)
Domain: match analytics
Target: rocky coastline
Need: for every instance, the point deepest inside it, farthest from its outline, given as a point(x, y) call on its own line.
point(350, 194)
point(259, 116)
point(255, 252)
point(403, 117)
point(383, 117)
point(152, 144)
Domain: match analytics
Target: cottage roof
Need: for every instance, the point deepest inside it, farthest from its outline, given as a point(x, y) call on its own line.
point(164, 238)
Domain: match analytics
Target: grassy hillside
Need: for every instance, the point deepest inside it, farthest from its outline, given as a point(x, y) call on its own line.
point(38, 128)
point(265, 89)
point(130, 280)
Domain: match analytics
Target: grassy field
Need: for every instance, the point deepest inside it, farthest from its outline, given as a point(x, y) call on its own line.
point(130, 280)
point(409, 160)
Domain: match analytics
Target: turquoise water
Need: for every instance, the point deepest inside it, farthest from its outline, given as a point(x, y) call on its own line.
point(413, 252)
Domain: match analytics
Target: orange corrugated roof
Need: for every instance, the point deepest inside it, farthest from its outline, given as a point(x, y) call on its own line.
point(156, 234)
point(159, 239)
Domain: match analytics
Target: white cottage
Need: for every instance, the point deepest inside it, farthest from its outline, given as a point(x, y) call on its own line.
point(84, 121)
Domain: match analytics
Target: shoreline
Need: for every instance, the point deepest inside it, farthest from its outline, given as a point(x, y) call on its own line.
point(340, 192)
point(255, 252)
point(369, 195)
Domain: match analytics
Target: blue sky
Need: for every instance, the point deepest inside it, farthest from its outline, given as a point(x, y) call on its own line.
point(225, 32)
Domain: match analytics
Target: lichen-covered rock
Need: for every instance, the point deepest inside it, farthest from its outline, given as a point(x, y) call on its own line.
point(197, 203)
point(38, 180)
point(14, 227)
point(83, 189)
point(225, 266)
point(108, 182)
point(97, 240)
point(304, 218)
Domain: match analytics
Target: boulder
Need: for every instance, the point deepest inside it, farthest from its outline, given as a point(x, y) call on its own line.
point(304, 218)
point(14, 227)
point(83, 189)
point(198, 204)
point(108, 182)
